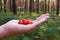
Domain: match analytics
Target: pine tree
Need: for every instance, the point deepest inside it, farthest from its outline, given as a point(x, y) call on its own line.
point(48, 5)
point(31, 5)
point(45, 6)
point(57, 7)
point(37, 6)
point(14, 7)
point(10, 5)
point(5, 6)
point(0, 5)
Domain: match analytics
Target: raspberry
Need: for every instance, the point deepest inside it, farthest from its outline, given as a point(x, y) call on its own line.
point(25, 22)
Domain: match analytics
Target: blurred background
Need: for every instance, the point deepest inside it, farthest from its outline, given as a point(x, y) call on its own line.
point(31, 9)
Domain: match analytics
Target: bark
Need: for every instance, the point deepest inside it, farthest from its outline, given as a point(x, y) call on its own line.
point(37, 6)
point(31, 5)
point(45, 6)
point(4, 6)
point(57, 7)
point(14, 7)
point(0, 5)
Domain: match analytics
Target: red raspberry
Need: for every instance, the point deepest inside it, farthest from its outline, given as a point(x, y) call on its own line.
point(29, 22)
point(20, 22)
point(25, 22)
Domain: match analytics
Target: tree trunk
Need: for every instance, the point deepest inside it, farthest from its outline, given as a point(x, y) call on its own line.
point(14, 7)
point(4, 6)
point(20, 5)
point(37, 6)
point(31, 5)
point(26, 5)
point(0, 5)
point(10, 5)
point(45, 6)
point(48, 6)
point(57, 7)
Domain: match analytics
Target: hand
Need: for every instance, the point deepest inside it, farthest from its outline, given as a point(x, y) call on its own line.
point(43, 17)
point(14, 28)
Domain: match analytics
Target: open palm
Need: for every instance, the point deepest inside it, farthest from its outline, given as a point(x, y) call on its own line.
point(14, 28)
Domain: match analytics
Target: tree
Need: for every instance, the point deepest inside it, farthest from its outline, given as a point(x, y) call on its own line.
point(57, 7)
point(10, 5)
point(53, 7)
point(5, 6)
point(37, 6)
point(45, 6)
point(0, 5)
point(42, 6)
point(48, 5)
point(31, 9)
point(20, 5)
point(14, 7)
point(26, 4)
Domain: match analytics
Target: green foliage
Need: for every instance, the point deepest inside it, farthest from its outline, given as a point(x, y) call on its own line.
point(50, 30)
point(5, 17)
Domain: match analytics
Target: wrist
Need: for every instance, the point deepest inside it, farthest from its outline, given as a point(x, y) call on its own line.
point(3, 32)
